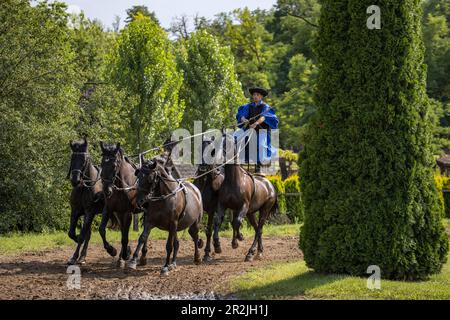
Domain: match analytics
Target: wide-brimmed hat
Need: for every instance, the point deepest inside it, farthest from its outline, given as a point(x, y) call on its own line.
point(260, 90)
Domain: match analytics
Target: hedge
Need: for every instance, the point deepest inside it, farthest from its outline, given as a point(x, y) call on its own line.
point(294, 206)
point(366, 167)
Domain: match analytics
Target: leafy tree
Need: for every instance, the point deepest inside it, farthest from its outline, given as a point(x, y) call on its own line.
point(210, 84)
point(135, 11)
point(38, 96)
point(246, 39)
point(367, 178)
point(297, 106)
point(143, 65)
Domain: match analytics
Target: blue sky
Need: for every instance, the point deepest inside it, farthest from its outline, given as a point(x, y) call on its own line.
point(166, 10)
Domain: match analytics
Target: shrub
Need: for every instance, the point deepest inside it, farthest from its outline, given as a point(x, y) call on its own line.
point(366, 167)
point(294, 206)
point(277, 182)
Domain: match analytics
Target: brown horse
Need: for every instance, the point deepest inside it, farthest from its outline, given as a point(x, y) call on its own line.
point(245, 194)
point(86, 197)
point(208, 182)
point(169, 205)
point(119, 187)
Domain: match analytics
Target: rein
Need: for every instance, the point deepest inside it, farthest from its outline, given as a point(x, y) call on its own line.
point(86, 164)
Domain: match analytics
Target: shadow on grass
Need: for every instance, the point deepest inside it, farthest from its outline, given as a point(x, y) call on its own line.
point(294, 287)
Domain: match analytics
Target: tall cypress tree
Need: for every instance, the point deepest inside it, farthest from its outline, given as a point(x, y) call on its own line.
point(366, 169)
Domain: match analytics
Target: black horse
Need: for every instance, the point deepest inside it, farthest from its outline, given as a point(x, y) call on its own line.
point(170, 205)
point(119, 187)
point(86, 198)
point(209, 180)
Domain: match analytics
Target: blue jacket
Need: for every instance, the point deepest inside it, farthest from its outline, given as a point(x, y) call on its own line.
point(269, 114)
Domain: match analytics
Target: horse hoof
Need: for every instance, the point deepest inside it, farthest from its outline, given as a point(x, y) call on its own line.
point(259, 256)
point(165, 272)
point(240, 237)
point(249, 258)
point(200, 243)
point(132, 265)
point(72, 262)
point(172, 266)
point(81, 261)
point(121, 264)
point(234, 245)
point(112, 251)
point(207, 259)
point(142, 262)
point(218, 249)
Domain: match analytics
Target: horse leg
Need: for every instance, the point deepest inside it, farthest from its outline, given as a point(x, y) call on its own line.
point(251, 252)
point(88, 217)
point(207, 257)
point(264, 215)
point(217, 223)
point(169, 248)
point(125, 229)
point(102, 230)
point(176, 245)
point(142, 243)
point(237, 218)
point(193, 231)
point(143, 258)
point(82, 258)
point(74, 215)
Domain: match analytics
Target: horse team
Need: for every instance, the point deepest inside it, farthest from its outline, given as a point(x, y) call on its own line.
point(118, 189)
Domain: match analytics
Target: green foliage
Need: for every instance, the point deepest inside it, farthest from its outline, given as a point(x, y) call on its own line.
point(296, 105)
point(436, 30)
point(210, 83)
point(135, 11)
point(143, 65)
point(279, 189)
point(38, 96)
point(246, 39)
point(294, 206)
point(366, 170)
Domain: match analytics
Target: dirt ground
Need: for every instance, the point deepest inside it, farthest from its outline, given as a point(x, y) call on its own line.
point(43, 275)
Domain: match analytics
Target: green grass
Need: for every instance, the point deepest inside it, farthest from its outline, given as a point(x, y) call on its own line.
point(294, 280)
point(24, 242)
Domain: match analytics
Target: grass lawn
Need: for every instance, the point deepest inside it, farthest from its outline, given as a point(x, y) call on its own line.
point(22, 242)
point(295, 281)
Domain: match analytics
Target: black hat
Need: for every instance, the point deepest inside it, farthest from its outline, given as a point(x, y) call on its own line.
point(262, 91)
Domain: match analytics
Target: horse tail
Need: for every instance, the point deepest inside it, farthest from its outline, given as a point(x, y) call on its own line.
point(275, 208)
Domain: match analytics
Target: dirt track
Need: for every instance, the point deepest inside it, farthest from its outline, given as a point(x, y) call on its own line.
point(43, 275)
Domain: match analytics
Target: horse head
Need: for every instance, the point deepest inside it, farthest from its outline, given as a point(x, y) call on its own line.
point(147, 179)
point(112, 157)
point(78, 162)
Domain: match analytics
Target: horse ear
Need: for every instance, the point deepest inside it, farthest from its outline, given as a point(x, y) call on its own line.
point(142, 158)
point(153, 165)
point(136, 172)
point(71, 143)
point(85, 140)
point(118, 147)
point(102, 146)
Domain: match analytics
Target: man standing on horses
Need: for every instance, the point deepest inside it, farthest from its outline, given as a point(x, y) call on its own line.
point(259, 115)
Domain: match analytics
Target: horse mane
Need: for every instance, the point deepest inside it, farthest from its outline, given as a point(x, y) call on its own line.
point(130, 162)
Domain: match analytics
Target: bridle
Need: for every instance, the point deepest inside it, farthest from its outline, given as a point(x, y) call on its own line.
point(83, 176)
point(156, 181)
point(116, 176)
